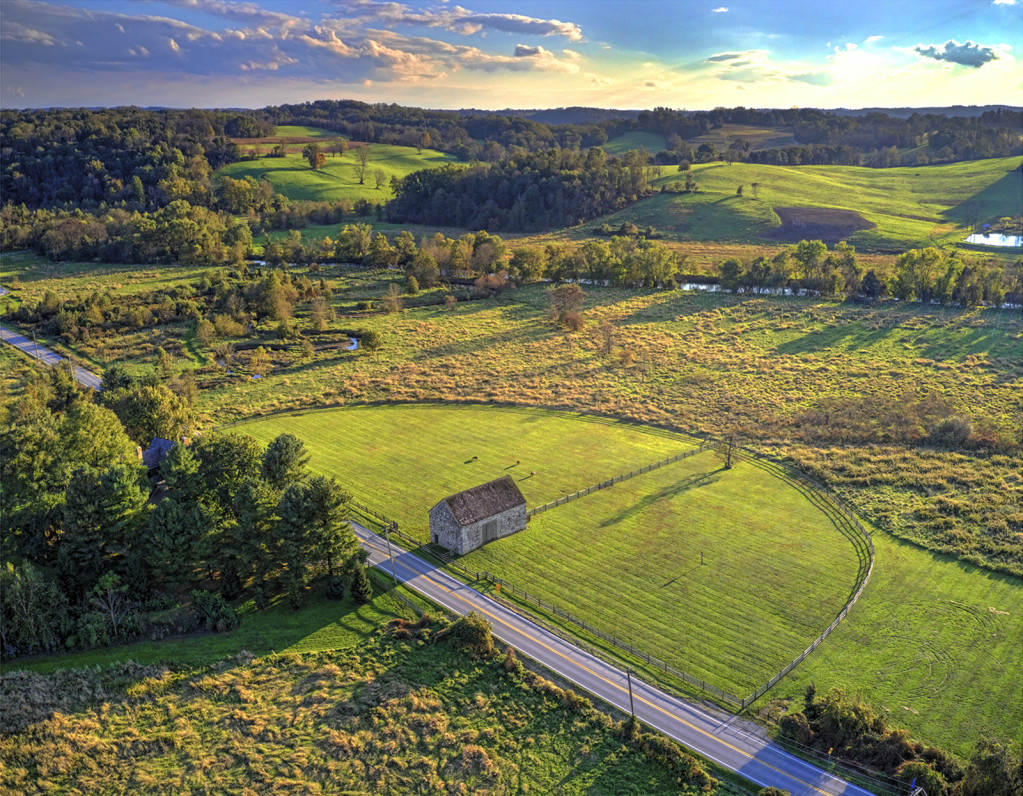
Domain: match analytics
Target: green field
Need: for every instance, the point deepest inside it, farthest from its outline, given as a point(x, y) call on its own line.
point(734, 622)
point(292, 176)
point(912, 207)
point(934, 644)
point(652, 142)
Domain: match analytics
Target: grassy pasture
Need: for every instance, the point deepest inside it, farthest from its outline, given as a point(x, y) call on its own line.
point(636, 139)
point(292, 176)
point(734, 621)
point(391, 714)
point(912, 207)
point(935, 643)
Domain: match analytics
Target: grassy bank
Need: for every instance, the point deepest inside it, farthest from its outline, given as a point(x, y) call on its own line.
point(338, 179)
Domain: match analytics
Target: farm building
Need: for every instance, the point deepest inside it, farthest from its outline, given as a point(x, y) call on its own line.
point(469, 519)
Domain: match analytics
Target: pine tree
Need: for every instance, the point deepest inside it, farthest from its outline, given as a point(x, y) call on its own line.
point(362, 589)
point(284, 462)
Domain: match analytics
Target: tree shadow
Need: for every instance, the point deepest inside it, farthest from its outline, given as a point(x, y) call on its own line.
point(1003, 198)
point(692, 482)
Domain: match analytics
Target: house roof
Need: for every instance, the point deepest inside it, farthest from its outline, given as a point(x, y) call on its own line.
point(157, 451)
point(485, 500)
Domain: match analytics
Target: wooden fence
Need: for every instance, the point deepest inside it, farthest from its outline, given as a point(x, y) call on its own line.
point(831, 500)
point(611, 482)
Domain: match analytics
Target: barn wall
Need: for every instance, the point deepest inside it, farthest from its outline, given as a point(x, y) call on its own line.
point(508, 522)
point(445, 527)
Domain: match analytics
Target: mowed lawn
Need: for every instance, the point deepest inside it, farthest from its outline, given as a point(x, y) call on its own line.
point(912, 207)
point(338, 179)
point(775, 569)
point(935, 643)
point(627, 559)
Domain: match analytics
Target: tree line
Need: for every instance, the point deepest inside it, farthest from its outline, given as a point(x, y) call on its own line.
point(538, 190)
point(78, 502)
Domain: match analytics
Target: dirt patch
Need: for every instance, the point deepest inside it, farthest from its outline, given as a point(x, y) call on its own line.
point(817, 223)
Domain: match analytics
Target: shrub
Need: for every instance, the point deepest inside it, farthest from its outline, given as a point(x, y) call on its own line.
point(471, 633)
point(213, 611)
point(335, 588)
point(573, 321)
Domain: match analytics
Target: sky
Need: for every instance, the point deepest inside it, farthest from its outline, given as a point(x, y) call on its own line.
point(494, 54)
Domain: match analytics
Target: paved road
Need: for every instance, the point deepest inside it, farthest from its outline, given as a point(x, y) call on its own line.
point(46, 356)
point(720, 740)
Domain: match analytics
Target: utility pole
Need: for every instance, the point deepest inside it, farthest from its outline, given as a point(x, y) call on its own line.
point(390, 555)
point(632, 705)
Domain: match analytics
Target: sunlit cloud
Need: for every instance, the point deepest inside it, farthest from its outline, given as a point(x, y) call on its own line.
point(871, 39)
point(720, 10)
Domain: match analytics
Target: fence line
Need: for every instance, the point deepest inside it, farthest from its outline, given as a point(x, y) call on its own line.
point(611, 482)
point(832, 500)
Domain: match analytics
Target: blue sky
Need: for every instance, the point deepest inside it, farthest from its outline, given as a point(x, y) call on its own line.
point(508, 53)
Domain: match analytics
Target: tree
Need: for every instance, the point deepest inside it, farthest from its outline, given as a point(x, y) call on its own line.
point(164, 362)
point(371, 341)
point(31, 607)
point(110, 598)
point(259, 362)
point(528, 264)
point(150, 411)
point(338, 146)
point(284, 462)
point(93, 436)
point(315, 157)
point(392, 299)
point(362, 155)
point(226, 461)
point(379, 178)
point(361, 589)
point(728, 447)
point(177, 539)
point(756, 189)
point(995, 769)
point(731, 272)
point(423, 142)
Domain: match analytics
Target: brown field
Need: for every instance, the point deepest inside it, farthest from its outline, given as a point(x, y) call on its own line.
point(759, 137)
point(817, 223)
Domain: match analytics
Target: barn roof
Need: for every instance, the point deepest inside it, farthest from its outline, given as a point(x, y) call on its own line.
point(485, 500)
point(158, 449)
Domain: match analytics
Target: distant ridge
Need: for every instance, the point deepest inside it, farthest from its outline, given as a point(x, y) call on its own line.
point(573, 115)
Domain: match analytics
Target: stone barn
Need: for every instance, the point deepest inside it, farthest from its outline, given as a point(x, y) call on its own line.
point(470, 519)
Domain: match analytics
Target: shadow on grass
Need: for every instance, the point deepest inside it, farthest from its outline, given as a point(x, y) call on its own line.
point(692, 482)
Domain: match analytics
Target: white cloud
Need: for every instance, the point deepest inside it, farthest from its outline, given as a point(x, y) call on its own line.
point(850, 46)
point(871, 39)
point(174, 45)
point(720, 10)
point(1004, 2)
point(571, 54)
point(120, 27)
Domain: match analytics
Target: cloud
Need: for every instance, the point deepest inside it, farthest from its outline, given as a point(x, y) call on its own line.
point(516, 23)
point(602, 82)
point(522, 51)
point(720, 10)
point(661, 85)
point(871, 39)
point(969, 54)
point(850, 46)
point(822, 78)
point(544, 59)
point(571, 54)
point(1004, 2)
point(742, 87)
point(15, 31)
point(724, 57)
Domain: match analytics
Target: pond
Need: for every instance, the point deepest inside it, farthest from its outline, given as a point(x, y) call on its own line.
point(993, 239)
